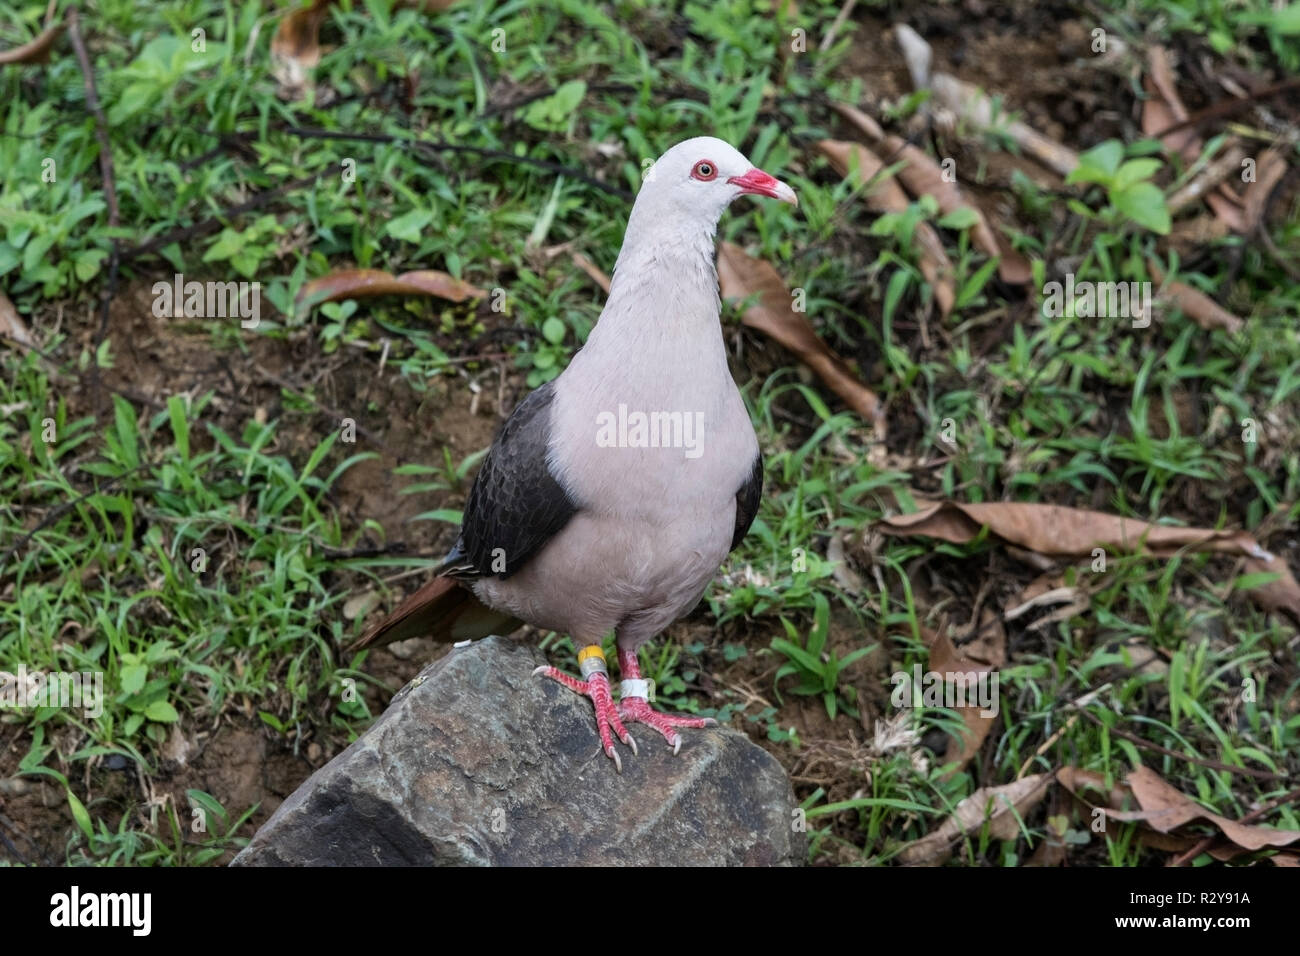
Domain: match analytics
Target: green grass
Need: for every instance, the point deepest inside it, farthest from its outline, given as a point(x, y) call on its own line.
point(196, 554)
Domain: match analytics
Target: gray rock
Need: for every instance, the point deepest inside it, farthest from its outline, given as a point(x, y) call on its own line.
point(478, 762)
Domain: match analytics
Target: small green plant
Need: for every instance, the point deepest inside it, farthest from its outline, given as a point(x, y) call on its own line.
point(817, 667)
point(1128, 185)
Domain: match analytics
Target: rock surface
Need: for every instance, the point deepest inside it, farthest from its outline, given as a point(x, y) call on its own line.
point(477, 762)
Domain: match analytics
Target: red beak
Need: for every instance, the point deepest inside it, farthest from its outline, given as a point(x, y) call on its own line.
point(758, 183)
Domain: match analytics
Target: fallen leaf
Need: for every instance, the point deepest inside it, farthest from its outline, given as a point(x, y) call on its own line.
point(1002, 807)
point(885, 195)
point(1269, 171)
point(1164, 107)
point(363, 283)
point(359, 605)
point(843, 573)
point(1089, 786)
point(921, 175)
point(34, 51)
point(178, 747)
point(987, 653)
point(1197, 306)
point(976, 108)
point(295, 49)
point(1164, 808)
point(1211, 176)
point(741, 276)
point(1051, 849)
point(593, 271)
point(917, 54)
point(12, 326)
point(1061, 595)
point(1072, 532)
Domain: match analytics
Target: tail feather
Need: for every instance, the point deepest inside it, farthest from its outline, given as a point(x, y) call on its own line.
point(444, 609)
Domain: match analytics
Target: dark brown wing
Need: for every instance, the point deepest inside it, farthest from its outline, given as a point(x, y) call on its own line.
point(516, 504)
point(747, 499)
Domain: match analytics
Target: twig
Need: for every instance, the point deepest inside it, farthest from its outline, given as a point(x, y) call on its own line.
point(62, 509)
point(840, 17)
point(1208, 179)
point(1227, 107)
point(207, 225)
point(1251, 817)
point(1201, 761)
point(109, 289)
point(430, 146)
point(101, 124)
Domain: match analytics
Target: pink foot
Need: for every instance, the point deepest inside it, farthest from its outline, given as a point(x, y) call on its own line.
point(633, 706)
point(638, 710)
point(607, 715)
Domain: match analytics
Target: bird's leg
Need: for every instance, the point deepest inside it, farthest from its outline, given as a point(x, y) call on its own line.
point(634, 706)
point(591, 662)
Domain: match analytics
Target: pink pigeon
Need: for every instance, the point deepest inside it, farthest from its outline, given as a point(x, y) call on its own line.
point(612, 494)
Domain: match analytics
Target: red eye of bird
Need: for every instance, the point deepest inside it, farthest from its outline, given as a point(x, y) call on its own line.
point(704, 171)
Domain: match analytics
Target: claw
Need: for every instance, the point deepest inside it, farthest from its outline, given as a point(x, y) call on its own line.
point(638, 709)
point(608, 723)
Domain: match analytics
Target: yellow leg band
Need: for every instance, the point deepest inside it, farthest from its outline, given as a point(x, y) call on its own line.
point(591, 660)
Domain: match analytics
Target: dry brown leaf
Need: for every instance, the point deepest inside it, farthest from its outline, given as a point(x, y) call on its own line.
point(1209, 178)
point(1268, 173)
point(969, 103)
point(178, 747)
point(923, 176)
point(1051, 849)
point(1164, 107)
point(740, 276)
point(1226, 209)
point(843, 572)
point(1089, 785)
point(1073, 532)
point(12, 326)
point(985, 654)
point(362, 283)
point(593, 271)
point(34, 51)
point(1057, 530)
point(1197, 306)
point(885, 195)
point(359, 605)
point(1164, 808)
point(295, 49)
point(1003, 807)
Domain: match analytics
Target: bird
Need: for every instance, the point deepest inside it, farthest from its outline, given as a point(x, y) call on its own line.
point(612, 494)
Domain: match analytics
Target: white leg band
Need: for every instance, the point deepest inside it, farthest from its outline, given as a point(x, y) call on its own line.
point(635, 688)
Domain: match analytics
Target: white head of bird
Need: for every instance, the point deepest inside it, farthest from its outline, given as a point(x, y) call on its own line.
point(698, 178)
